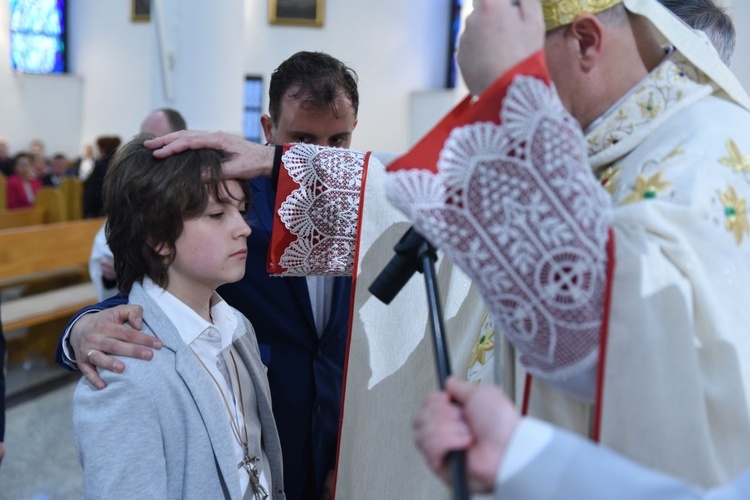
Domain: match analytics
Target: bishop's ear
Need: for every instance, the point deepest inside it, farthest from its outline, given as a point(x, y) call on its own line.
point(587, 31)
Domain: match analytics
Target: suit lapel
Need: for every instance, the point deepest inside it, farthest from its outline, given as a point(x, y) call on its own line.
point(200, 385)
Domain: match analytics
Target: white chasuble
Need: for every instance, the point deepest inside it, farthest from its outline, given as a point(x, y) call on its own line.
point(674, 252)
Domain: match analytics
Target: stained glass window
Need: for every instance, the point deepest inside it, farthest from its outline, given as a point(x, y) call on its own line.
point(455, 27)
point(37, 36)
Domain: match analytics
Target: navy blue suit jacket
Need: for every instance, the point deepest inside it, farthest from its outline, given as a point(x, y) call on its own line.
point(305, 372)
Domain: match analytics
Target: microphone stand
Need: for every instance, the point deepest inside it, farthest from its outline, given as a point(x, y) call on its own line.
point(415, 253)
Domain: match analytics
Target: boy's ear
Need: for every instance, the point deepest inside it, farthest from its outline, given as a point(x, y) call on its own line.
point(162, 249)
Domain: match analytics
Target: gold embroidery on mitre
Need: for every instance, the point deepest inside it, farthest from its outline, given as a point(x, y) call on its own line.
point(562, 12)
point(736, 160)
point(735, 210)
point(483, 345)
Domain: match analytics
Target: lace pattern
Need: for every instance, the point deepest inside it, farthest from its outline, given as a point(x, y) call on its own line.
point(322, 212)
point(516, 207)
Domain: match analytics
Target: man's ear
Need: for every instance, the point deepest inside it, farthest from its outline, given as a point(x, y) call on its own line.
point(588, 32)
point(267, 124)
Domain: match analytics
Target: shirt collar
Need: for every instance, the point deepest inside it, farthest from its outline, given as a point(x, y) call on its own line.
point(190, 325)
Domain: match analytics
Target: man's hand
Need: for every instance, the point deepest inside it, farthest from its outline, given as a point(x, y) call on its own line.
point(499, 34)
point(478, 419)
point(248, 160)
point(95, 336)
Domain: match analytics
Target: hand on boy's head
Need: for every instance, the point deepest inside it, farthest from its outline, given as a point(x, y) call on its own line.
point(248, 161)
point(97, 336)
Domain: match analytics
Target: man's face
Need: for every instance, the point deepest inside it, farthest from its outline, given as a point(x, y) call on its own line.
point(319, 126)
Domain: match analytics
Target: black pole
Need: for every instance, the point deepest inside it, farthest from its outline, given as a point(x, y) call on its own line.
point(456, 459)
point(414, 253)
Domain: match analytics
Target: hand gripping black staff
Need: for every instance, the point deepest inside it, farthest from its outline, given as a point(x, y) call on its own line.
point(414, 253)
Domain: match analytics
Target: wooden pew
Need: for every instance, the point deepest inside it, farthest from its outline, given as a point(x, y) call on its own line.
point(53, 202)
point(3, 192)
point(21, 217)
point(40, 253)
point(72, 189)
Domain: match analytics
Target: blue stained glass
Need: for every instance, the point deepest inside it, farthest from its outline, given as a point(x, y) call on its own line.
point(455, 27)
point(37, 41)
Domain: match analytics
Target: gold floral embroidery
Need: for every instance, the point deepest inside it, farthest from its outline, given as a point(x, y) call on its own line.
point(735, 212)
point(484, 344)
point(646, 189)
point(678, 73)
point(674, 153)
point(736, 160)
point(648, 108)
point(659, 96)
point(610, 179)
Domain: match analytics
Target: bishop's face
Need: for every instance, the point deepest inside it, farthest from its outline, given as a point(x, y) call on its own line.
point(312, 125)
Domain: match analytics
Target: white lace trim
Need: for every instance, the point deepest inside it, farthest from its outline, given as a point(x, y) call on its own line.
point(322, 212)
point(516, 207)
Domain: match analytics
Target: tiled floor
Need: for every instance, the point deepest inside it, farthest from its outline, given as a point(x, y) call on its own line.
point(40, 460)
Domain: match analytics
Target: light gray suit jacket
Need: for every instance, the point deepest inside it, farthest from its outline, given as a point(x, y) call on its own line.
point(160, 429)
point(570, 468)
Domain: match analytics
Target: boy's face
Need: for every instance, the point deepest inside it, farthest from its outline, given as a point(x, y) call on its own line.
point(212, 248)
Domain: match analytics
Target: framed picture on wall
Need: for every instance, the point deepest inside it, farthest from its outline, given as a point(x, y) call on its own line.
point(296, 12)
point(140, 11)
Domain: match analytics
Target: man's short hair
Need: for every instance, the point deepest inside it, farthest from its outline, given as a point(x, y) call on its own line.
point(316, 78)
point(146, 201)
point(706, 16)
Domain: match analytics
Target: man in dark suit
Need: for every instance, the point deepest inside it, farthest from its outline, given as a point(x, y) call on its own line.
point(58, 172)
point(301, 323)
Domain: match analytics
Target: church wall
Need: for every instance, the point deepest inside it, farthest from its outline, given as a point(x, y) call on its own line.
point(398, 49)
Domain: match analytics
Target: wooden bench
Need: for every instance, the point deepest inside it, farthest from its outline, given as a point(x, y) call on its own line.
point(42, 253)
point(21, 217)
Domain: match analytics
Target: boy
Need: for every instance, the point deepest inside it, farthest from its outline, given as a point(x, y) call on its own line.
point(202, 407)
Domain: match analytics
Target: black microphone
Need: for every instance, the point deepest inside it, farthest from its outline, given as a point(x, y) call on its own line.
point(401, 268)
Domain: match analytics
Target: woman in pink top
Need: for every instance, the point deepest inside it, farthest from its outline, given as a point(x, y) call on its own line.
point(22, 187)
